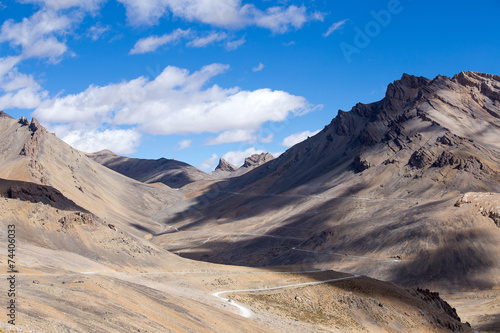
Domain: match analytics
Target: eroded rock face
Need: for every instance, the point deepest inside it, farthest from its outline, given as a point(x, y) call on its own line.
point(421, 158)
point(24, 121)
point(446, 159)
point(486, 84)
point(257, 160)
point(360, 164)
point(76, 218)
point(225, 166)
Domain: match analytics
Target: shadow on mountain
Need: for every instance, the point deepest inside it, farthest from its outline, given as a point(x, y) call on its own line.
point(451, 255)
point(489, 325)
point(37, 193)
point(141, 228)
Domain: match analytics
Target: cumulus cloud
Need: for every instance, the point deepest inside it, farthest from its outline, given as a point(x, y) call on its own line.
point(223, 13)
point(297, 137)
point(334, 27)
point(259, 67)
point(150, 44)
point(184, 144)
point(237, 157)
point(89, 140)
point(37, 35)
point(209, 164)
point(19, 90)
point(175, 102)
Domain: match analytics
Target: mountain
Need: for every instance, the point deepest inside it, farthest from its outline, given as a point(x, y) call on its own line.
point(85, 260)
point(404, 189)
point(257, 160)
point(227, 170)
point(225, 166)
point(173, 173)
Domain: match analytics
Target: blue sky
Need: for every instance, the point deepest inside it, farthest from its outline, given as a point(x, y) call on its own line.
point(196, 80)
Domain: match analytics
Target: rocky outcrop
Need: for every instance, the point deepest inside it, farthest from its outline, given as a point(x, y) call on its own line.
point(407, 88)
point(76, 219)
point(446, 159)
point(24, 121)
point(32, 147)
point(434, 299)
point(36, 193)
point(486, 84)
point(421, 158)
point(225, 166)
point(228, 170)
point(488, 204)
point(257, 160)
point(360, 164)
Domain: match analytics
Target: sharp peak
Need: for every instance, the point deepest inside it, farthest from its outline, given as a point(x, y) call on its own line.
point(225, 165)
point(411, 81)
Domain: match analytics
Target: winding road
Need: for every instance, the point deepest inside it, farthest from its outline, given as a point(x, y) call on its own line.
point(247, 313)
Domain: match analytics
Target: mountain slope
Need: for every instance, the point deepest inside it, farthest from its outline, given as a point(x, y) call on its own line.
point(86, 263)
point(170, 172)
point(373, 193)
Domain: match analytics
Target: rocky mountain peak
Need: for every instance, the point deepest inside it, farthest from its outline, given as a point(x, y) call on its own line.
point(406, 88)
point(35, 125)
point(24, 121)
point(257, 159)
point(225, 166)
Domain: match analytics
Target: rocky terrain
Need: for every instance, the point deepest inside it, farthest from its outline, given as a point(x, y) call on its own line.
point(226, 170)
point(88, 258)
point(404, 189)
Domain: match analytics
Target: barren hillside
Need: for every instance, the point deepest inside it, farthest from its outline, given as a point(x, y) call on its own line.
point(169, 172)
point(86, 262)
point(404, 189)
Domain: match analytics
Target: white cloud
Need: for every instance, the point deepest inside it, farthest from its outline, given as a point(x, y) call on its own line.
point(222, 13)
point(334, 27)
point(280, 19)
point(237, 157)
point(95, 32)
point(150, 44)
point(209, 164)
point(90, 140)
point(259, 67)
point(7, 64)
point(89, 5)
point(211, 38)
point(175, 102)
point(20, 90)
point(234, 44)
point(36, 35)
point(184, 144)
point(239, 135)
point(297, 137)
